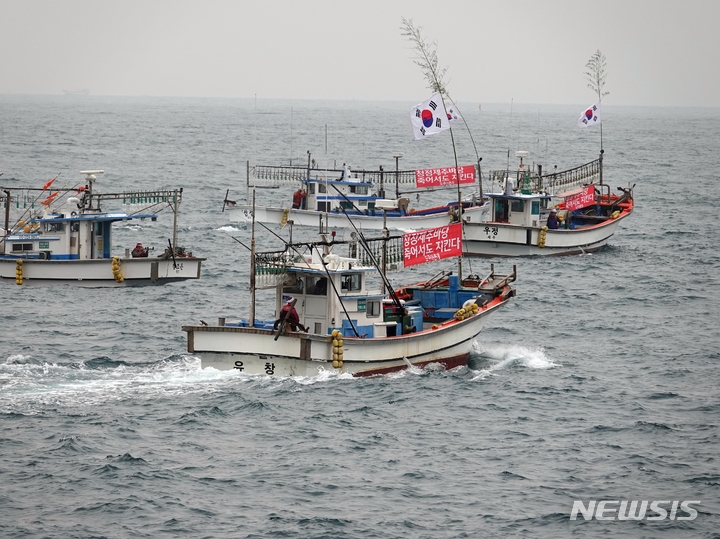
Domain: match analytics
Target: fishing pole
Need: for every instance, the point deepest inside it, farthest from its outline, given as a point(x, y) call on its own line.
point(390, 289)
point(48, 184)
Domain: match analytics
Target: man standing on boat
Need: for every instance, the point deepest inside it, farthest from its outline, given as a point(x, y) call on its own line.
point(298, 198)
point(553, 221)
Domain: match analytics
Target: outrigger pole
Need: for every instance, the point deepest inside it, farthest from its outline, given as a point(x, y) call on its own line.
point(384, 278)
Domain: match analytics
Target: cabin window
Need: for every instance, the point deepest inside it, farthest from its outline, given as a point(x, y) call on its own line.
point(500, 210)
point(536, 207)
point(20, 247)
point(350, 282)
point(373, 309)
point(74, 227)
point(362, 202)
point(54, 227)
point(316, 285)
point(359, 189)
point(311, 188)
point(346, 205)
point(295, 286)
point(517, 206)
point(322, 188)
point(324, 206)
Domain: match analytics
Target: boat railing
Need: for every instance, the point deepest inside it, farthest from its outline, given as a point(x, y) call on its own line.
point(271, 269)
point(135, 201)
point(274, 176)
point(560, 181)
point(551, 183)
point(393, 246)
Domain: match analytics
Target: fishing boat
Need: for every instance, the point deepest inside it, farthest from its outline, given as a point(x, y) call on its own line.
point(66, 238)
point(344, 322)
point(563, 213)
point(328, 195)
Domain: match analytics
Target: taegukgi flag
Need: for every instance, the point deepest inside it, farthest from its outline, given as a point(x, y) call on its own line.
point(429, 117)
point(453, 114)
point(590, 116)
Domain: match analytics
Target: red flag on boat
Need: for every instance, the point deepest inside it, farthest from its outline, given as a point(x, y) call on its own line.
point(584, 198)
point(444, 177)
point(48, 184)
point(50, 198)
point(432, 244)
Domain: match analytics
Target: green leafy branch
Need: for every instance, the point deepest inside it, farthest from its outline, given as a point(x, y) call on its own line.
point(425, 57)
point(595, 74)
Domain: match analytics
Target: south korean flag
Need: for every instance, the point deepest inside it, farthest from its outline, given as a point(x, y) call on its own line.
point(429, 117)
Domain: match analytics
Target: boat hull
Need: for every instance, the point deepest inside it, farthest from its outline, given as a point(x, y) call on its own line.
point(98, 273)
point(505, 240)
point(255, 351)
point(279, 216)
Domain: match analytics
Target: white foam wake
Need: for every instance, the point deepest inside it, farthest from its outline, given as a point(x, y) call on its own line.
point(501, 357)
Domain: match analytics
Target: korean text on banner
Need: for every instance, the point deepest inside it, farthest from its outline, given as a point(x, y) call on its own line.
point(432, 244)
point(584, 198)
point(444, 177)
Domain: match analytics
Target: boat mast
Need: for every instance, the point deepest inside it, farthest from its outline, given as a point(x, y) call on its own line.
point(397, 156)
point(176, 207)
point(252, 267)
point(480, 187)
point(6, 231)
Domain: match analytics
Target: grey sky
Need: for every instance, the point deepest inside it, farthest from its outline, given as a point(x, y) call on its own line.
point(530, 51)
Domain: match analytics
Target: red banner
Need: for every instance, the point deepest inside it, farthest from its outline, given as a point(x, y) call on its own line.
point(444, 177)
point(432, 244)
point(584, 198)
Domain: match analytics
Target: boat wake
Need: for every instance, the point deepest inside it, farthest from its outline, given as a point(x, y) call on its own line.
point(487, 361)
point(29, 384)
point(229, 228)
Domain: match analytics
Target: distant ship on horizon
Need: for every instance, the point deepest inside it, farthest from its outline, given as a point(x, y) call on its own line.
point(84, 91)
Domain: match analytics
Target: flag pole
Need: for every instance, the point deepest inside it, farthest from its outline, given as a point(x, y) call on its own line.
point(457, 181)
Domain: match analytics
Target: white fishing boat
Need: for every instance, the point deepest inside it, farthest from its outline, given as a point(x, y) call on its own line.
point(351, 325)
point(535, 216)
point(331, 196)
point(69, 239)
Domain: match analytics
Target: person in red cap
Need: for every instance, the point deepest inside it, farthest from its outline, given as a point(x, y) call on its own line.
point(140, 251)
point(293, 319)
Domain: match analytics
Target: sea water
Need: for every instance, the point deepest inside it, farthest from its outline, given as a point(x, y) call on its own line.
point(599, 381)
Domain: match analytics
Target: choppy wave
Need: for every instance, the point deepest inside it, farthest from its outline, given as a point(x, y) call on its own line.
point(597, 381)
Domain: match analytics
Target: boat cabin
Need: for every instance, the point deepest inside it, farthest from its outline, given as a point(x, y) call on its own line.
point(67, 234)
point(523, 209)
point(319, 307)
point(326, 195)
